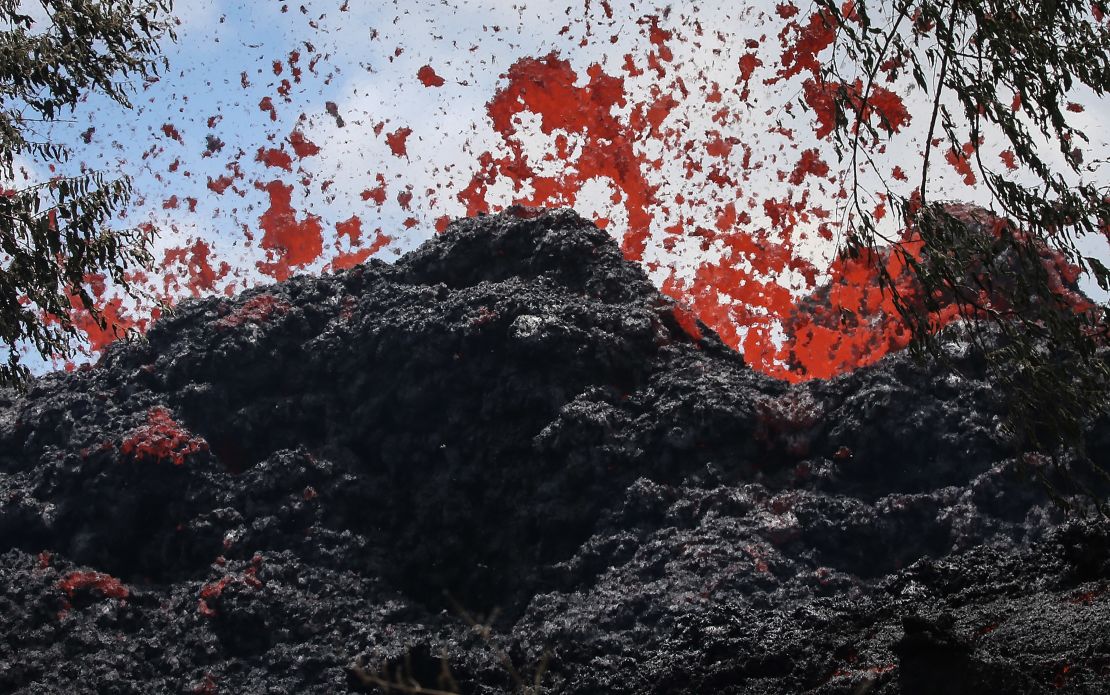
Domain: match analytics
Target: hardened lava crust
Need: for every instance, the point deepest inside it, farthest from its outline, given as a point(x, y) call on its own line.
point(335, 482)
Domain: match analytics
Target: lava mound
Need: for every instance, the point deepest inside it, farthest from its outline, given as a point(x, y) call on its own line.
point(506, 463)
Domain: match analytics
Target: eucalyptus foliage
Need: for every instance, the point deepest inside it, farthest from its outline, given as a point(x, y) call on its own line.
point(54, 233)
point(997, 71)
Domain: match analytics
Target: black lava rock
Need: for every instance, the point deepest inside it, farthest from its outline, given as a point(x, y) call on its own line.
point(503, 461)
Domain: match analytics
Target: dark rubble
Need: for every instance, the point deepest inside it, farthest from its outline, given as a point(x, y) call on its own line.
point(333, 477)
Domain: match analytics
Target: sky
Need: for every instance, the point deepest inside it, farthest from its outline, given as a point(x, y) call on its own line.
point(288, 138)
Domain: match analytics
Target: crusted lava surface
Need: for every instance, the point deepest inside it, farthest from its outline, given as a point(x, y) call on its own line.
point(333, 477)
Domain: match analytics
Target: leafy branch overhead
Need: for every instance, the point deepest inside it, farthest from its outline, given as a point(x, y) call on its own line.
point(998, 71)
point(54, 233)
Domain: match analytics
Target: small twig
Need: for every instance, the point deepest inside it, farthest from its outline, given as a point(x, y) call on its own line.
point(936, 108)
point(374, 679)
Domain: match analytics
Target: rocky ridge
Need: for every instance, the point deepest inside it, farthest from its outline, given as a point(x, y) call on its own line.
point(337, 477)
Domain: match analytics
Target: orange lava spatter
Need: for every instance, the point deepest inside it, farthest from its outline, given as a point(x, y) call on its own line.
point(259, 309)
point(849, 322)
point(290, 243)
point(428, 77)
point(196, 260)
point(104, 584)
point(162, 439)
point(302, 146)
point(547, 87)
point(398, 141)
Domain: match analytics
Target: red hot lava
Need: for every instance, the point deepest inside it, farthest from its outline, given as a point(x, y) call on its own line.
point(680, 149)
